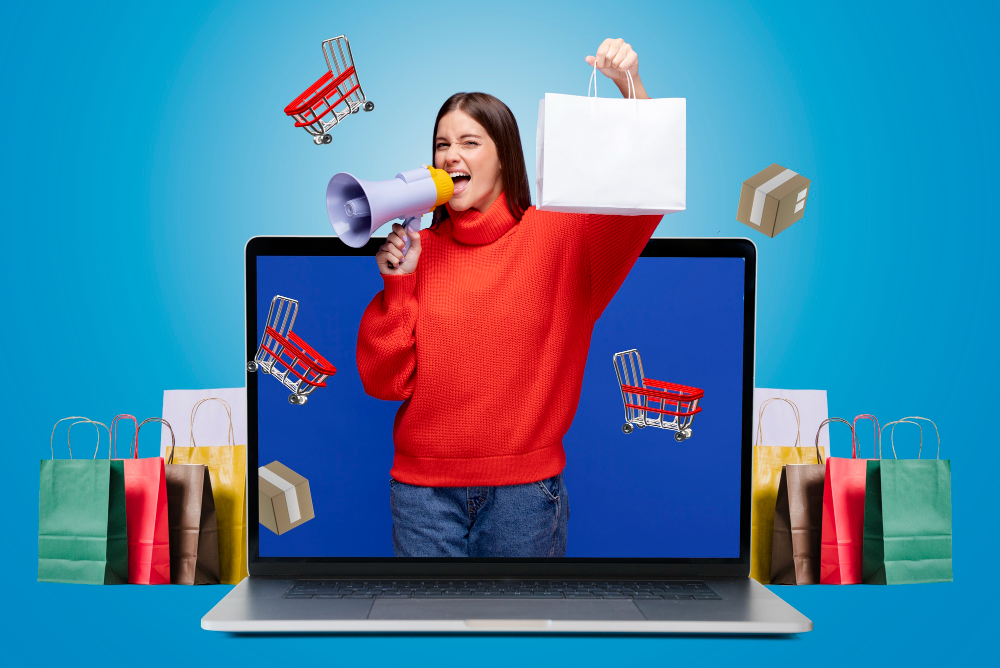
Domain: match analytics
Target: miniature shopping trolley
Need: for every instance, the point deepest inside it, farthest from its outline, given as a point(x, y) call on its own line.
point(644, 396)
point(335, 95)
point(287, 357)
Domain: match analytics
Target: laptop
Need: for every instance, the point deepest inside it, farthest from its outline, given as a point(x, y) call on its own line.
point(657, 475)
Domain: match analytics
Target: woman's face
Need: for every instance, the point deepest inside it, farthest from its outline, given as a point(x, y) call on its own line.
point(464, 150)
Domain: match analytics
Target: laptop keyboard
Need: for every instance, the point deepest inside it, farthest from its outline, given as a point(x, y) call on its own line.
point(586, 589)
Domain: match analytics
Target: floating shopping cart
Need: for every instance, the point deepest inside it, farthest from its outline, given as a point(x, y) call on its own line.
point(287, 357)
point(336, 95)
point(643, 396)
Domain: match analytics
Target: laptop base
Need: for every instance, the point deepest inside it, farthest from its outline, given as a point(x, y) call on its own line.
point(258, 605)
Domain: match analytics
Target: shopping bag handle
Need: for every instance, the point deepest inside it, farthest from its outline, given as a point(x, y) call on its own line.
point(229, 412)
point(52, 451)
point(917, 417)
point(593, 82)
point(173, 441)
point(95, 423)
point(892, 424)
point(877, 435)
point(908, 419)
point(114, 435)
point(826, 422)
point(760, 419)
point(81, 420)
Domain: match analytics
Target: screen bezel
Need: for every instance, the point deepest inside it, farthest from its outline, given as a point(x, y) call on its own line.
point(579, 567)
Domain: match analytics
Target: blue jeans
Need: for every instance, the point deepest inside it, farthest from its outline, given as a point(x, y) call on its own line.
point(526, 520)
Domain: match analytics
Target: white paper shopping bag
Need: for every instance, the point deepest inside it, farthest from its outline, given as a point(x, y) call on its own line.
point(611, 156)
point(213, 420)
point(779, 424)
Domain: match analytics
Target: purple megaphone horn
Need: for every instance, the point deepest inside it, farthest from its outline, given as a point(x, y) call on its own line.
point(357, 208)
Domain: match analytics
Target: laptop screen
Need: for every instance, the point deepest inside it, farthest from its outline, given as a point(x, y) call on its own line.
point(652, 456)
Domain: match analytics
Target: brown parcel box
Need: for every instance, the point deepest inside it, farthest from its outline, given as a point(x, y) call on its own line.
point(772, 200)
point(284, 497)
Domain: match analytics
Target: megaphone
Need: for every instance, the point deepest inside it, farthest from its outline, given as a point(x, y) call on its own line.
point(357, 208)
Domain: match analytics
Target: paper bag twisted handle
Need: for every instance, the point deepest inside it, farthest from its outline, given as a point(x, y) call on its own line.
point(908, 418)
point(95, 423)
point(72, 417)
point(917, 417)
point(876, 435)
point(114, 434)
point(593, 82)
point(900, 421)
point(229, 412)
point(760, 420)
point(173, 441)
point(69, 445)
point(826, 422)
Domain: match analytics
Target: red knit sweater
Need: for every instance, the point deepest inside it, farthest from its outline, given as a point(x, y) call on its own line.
point(486, 342)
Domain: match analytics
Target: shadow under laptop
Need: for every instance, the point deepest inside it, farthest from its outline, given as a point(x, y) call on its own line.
point(520, 634)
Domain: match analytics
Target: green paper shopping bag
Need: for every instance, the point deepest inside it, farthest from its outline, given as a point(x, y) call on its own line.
point(907, 531)
point(81, 517)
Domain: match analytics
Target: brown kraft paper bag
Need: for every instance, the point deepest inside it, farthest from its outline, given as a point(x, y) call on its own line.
point(798, 520)
point(194, 537)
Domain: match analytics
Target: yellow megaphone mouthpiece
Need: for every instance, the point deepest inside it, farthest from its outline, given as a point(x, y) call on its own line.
point(444, 184)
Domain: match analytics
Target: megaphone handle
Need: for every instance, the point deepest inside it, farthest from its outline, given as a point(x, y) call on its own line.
point(411, 223)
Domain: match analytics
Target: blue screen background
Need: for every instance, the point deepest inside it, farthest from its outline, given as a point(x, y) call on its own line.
point(635, 495)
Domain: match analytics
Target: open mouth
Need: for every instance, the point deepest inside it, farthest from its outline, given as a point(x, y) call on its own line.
point(461, 180)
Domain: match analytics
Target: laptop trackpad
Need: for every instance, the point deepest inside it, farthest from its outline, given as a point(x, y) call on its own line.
point(493, 608)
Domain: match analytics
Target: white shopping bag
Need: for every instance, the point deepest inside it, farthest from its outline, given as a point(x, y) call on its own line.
point(212, 420)
point(611, 156)
point(779, 420)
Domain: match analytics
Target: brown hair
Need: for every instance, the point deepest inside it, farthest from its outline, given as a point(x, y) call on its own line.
point(499, 123)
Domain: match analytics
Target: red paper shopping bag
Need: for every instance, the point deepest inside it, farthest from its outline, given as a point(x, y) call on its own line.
point(844, 514)
point(145, 514)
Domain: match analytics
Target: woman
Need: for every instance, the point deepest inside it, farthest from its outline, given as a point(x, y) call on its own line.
point(482, 330)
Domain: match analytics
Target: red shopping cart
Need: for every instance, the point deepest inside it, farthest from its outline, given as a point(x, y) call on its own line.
point(642, 396)
point(335, 95)
point(285, 356)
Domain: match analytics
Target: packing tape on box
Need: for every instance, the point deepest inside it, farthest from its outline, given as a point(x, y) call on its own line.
point(291, 498)
point(760, 195)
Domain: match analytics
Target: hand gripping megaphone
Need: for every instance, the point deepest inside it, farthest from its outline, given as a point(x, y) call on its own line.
point(357, 208)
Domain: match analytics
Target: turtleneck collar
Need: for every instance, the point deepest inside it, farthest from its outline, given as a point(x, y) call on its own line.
point(474, 228)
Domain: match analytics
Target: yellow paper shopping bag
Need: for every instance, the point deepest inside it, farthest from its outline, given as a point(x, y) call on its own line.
point(767, 463)
point(227, 467)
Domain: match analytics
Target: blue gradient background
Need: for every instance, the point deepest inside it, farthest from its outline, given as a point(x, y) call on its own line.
point(145, 144)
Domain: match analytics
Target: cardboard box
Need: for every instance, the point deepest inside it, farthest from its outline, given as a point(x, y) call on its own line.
point(285, 502)
point(773, 199)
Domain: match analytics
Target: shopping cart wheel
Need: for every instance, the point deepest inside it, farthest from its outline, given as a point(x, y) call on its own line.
point(369, 105)
point(627, 428)
point(251, 366)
